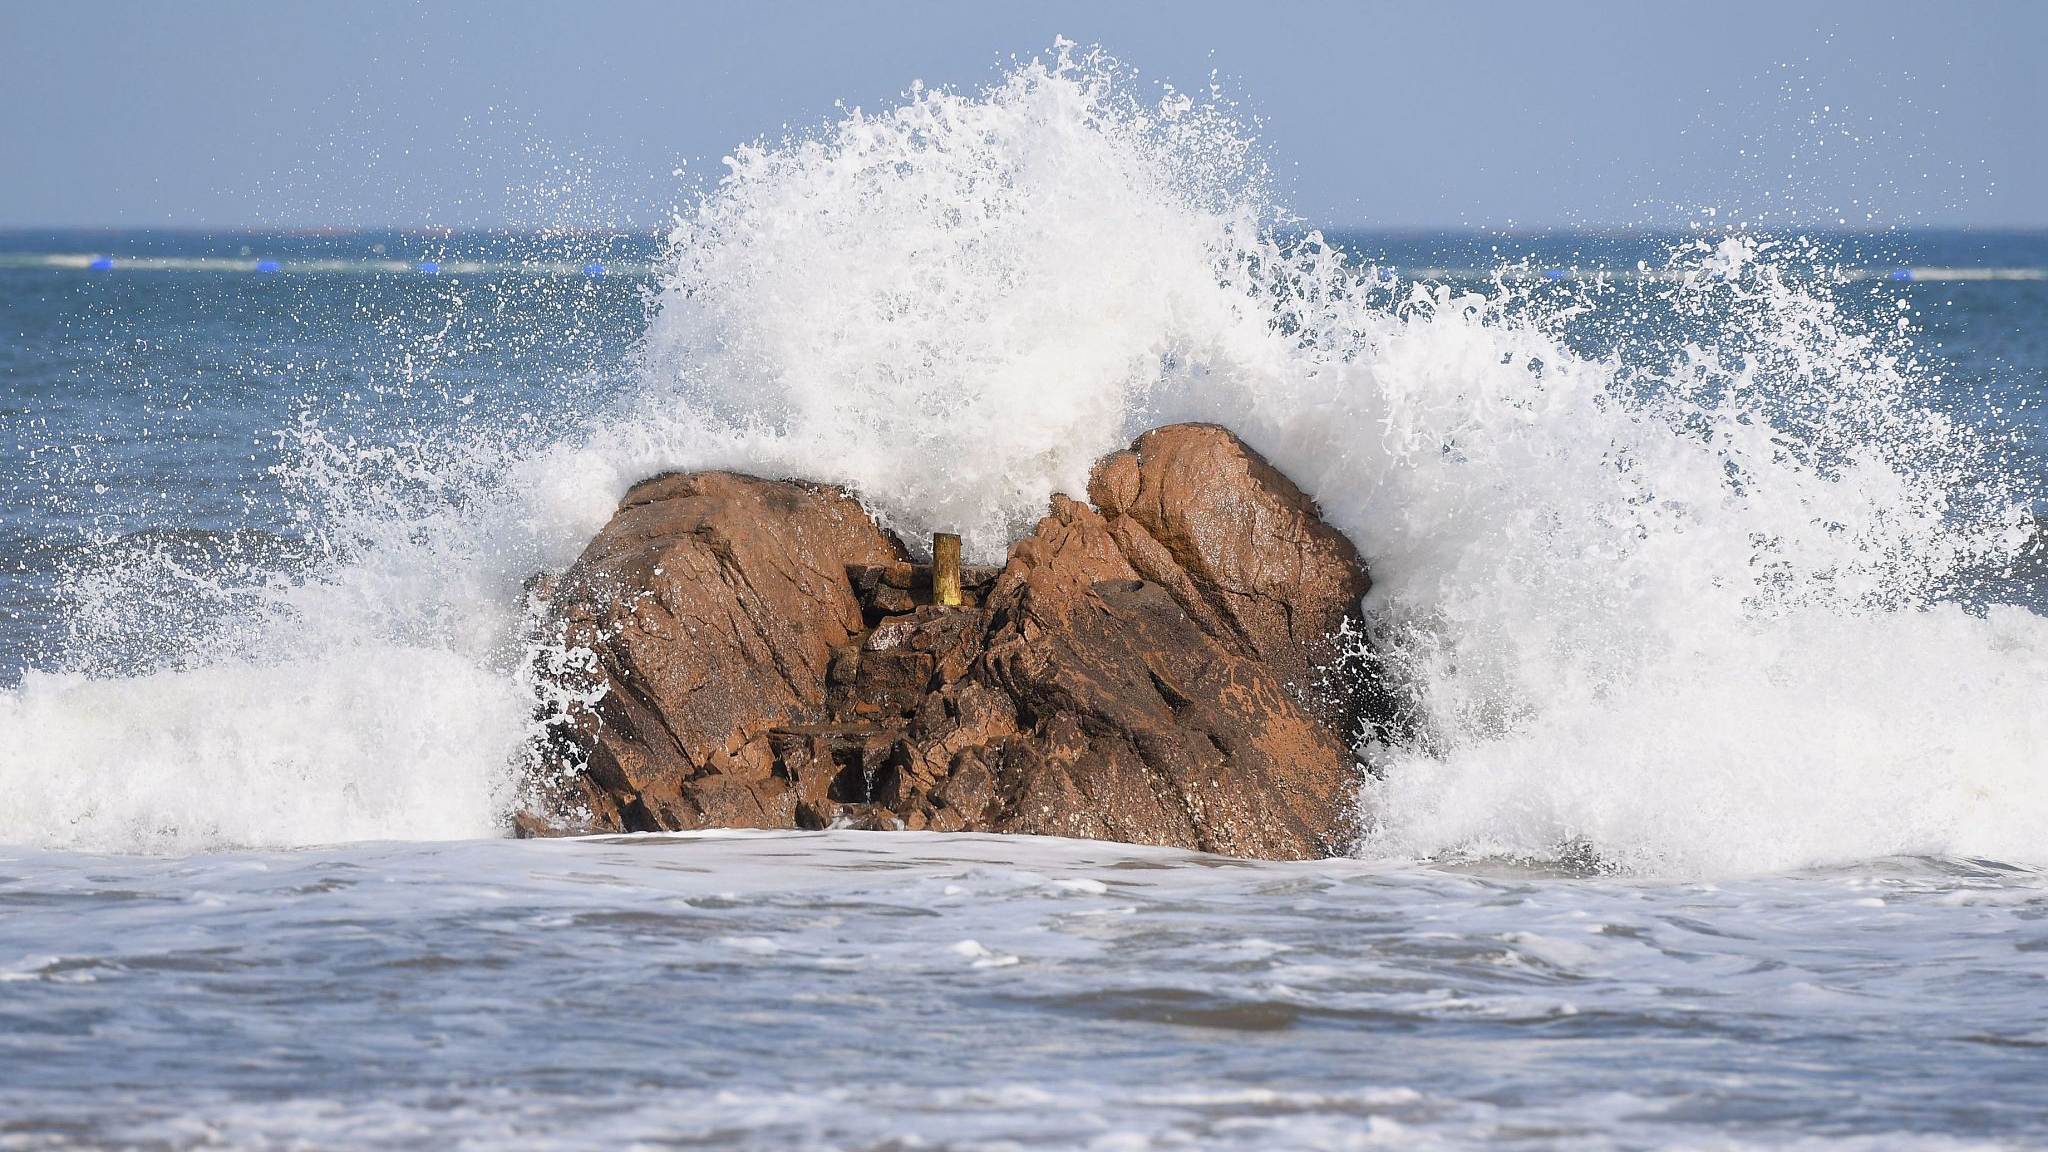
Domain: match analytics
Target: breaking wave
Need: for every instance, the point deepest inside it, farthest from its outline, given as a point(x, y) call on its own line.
point(1674, 573)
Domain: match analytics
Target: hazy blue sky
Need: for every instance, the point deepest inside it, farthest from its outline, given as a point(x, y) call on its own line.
point(1409, 114)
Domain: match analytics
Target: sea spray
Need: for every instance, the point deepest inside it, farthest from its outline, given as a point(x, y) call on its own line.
point(1686, 608)
point(957, 305)
point(1665, 569)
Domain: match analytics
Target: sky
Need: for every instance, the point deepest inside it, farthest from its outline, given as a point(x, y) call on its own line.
point(1483, 114)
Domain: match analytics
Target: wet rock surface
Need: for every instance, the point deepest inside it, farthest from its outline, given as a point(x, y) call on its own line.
point(757, 653)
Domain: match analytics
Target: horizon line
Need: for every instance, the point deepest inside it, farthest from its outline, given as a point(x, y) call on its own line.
point(316, 231)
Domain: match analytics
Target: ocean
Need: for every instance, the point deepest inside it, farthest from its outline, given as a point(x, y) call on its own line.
point(1710, 558)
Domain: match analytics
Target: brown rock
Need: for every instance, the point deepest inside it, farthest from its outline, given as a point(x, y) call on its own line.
point(714, 603)
point(1100, 711)
point(1146, 673)
point(1245, 552)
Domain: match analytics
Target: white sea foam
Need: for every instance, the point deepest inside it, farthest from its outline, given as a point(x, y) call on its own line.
point(1680, 607)
point(386, 743)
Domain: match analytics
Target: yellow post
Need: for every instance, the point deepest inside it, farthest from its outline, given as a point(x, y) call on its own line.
point(946, 569)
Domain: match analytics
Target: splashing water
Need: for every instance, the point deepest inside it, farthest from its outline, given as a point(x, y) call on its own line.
point(957, 306)
point(1689, 604)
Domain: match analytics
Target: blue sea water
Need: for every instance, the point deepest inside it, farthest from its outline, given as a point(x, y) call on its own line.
point(1712, 561)
point(156, 409)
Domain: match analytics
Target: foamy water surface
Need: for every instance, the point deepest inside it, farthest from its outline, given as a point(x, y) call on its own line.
point(874, 990)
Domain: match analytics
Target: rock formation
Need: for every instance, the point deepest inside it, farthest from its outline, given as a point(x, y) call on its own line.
point(1144, 670)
